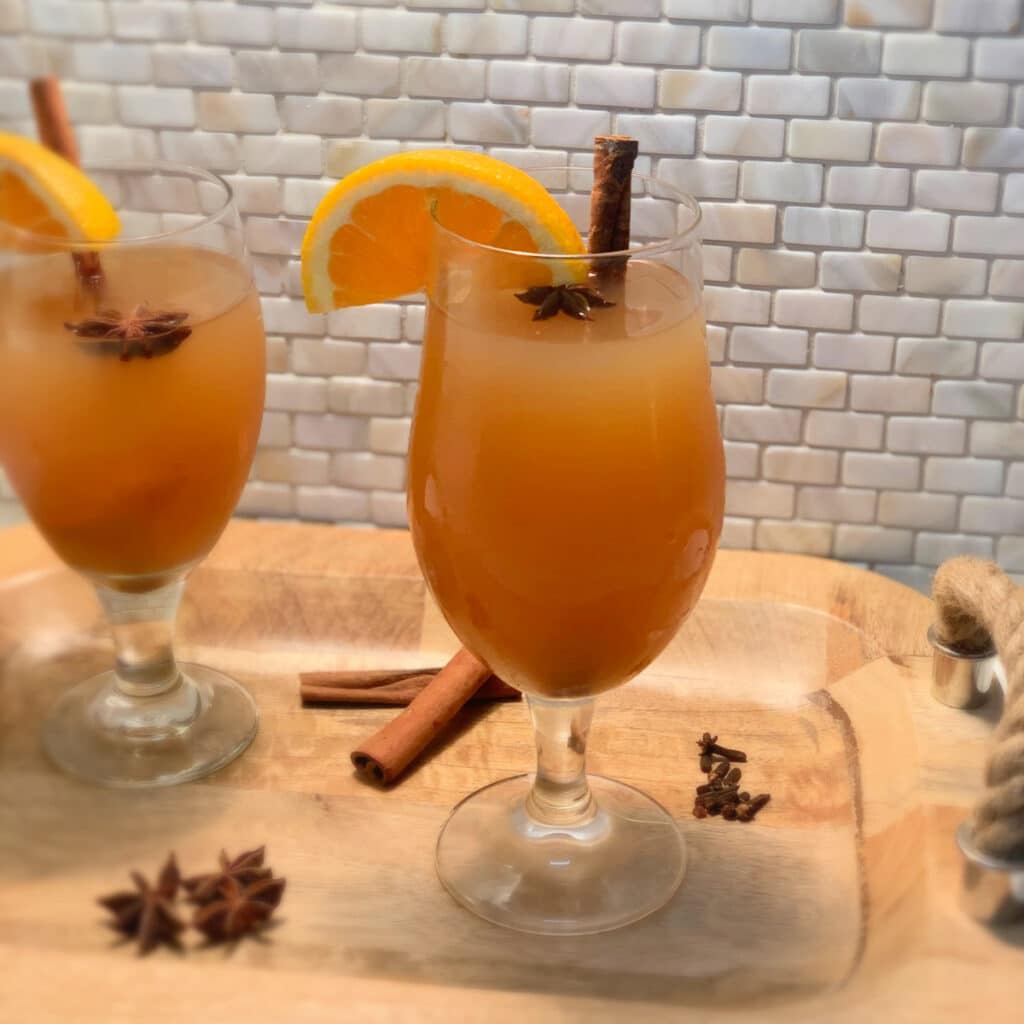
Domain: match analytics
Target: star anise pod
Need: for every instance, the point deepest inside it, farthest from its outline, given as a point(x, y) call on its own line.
point(575, 300)
point(148, 913)
point(142, 332)
point(238, 909)
point(244, 869)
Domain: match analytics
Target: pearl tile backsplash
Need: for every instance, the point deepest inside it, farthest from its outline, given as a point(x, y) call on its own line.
point(860, 164)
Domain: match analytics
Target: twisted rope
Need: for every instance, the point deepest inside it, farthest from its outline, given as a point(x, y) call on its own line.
point(979, 606)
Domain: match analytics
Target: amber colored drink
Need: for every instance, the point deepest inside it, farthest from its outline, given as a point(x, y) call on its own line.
point(131, 468)
point(567, 479)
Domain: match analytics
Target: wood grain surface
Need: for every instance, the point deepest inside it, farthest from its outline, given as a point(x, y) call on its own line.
point(838, 904)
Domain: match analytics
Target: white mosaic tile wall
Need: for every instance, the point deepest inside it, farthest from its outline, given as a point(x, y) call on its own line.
point(861, 164)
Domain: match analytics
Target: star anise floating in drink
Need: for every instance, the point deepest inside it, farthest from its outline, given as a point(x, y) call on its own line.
point(575, 300)
point(142, 332)
point(148, 913)
point(237, 900)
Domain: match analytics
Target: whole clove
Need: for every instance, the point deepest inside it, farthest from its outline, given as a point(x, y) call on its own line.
point(747, 811)
point(709, 745)
point(727, 753)
point(719, 797)
point(706, 742)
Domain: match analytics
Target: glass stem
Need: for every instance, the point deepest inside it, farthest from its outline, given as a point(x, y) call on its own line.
point(149, 697)
point(143, 630)
point(560, 794)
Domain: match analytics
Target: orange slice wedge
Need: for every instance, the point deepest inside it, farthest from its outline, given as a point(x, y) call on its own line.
point(369, 239)
point(42, 193)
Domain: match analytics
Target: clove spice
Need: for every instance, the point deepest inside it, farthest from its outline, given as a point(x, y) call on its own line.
point(746, 811)
point(709, 745)
point(721, 794)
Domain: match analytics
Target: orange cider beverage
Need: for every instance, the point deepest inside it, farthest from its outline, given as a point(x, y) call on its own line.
point(130, 467)
point(566, 478)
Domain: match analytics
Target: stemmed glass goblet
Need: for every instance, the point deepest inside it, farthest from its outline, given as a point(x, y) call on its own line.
point(129, 413)
point(566, 495)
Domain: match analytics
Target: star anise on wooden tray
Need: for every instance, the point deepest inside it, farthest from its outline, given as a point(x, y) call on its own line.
point(142, 332)
point(244, 869)
point(238, 909)
point(147, 914)
point(575, 300)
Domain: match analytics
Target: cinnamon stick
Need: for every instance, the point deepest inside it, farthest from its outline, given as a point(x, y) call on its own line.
point(363, 679)
point(54, 127)
point(386, 754)
point(52, 121)
point(386, 687)
point(614, 156)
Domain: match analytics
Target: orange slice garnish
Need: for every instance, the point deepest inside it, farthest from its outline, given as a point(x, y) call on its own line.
point(44, 194)
point(369, 239)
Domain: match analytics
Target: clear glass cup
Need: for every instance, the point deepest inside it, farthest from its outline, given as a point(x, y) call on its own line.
point(566, 490)
point(129, 413)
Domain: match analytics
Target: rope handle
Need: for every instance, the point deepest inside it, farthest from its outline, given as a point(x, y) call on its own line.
point(978, 607)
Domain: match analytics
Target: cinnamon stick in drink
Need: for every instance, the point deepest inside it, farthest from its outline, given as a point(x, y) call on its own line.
point(614, 156)
point(386, 754)
point(54, 128)
point(52, 121)
point(386, 687)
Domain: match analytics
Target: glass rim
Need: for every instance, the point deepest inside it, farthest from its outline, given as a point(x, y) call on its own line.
point(50, 243)
point(676, 240)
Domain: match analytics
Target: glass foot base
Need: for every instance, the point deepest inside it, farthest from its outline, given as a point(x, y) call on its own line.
point(621, 866)
point(219, 720)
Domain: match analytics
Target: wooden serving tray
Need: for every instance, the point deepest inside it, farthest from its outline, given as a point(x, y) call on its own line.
point(838, 904)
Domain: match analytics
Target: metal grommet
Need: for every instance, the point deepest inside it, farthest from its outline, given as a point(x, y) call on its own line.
point(960, 680)
point(993, 890)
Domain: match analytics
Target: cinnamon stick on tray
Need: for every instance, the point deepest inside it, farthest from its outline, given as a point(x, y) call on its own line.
point(54, 128)
point(386, 687)
point(386, 754)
